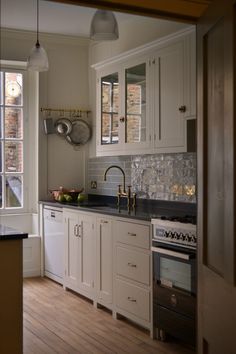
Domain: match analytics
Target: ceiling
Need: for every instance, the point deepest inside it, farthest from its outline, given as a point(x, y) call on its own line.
point(71, 17)
point(180, 10)
point(54, 17)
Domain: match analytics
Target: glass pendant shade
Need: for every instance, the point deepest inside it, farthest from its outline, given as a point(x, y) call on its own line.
point(38, 59)
point(104, 26)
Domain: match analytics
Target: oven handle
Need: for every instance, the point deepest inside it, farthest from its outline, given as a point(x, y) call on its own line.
point(171, 253)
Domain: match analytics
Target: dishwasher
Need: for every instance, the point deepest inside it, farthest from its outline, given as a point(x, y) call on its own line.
point(53, 243)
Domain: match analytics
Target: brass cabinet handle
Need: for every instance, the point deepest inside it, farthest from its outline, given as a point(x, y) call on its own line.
point(131, 299)
point(76, 230)
point(131, 234)
point(132, 265)
point(182, 109)
point(104, 222)
point(80, 230)
point(122, 119)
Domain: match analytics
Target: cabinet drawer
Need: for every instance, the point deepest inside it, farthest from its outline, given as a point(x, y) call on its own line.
point(134, 265)
point(133, 299)
point(133, 234)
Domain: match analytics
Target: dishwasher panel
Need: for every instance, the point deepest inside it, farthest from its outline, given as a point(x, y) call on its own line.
point(53, 244)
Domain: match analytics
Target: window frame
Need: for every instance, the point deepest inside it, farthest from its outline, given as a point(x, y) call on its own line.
point(19, 67)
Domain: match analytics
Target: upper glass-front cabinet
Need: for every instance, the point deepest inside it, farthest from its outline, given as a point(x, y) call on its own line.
point(135, 104)
point(109, 109)
point(122, 98)
point(145, 98)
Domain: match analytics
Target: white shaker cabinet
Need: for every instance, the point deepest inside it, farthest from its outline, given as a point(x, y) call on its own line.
point(132, 271)
point(146, 96)
point(104, 261)
point(174, 94)
point(123, 107)
point(80, 246)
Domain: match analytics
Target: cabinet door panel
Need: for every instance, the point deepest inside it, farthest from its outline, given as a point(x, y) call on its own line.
point(169, 97)
point(104, 257)
point(87, 243)
point(71, 250)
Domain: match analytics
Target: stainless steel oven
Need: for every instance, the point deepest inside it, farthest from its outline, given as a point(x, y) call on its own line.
point(174, 278)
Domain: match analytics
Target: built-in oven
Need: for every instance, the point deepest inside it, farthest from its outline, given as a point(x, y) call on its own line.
point(174, 279)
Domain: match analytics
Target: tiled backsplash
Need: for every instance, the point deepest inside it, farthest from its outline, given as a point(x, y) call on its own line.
point(159, 176)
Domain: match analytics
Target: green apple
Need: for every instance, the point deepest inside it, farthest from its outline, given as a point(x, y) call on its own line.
point(68, 197)
point(61, 198)
point(81, 197)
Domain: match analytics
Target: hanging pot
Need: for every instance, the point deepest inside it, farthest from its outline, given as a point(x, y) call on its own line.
point(80, 133)
point(63, 126)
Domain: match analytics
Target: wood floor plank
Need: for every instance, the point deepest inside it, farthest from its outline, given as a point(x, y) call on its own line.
point(58, 321)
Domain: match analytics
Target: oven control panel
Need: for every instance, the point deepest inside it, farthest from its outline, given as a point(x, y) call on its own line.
point(175, 233)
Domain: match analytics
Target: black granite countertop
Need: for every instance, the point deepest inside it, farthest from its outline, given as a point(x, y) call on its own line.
point(8, 233)
point(145, 209)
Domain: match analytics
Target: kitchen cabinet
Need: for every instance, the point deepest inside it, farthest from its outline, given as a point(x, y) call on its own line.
point(132, 271)
point(173, 90)
point(122, 106)
point(104, 261)
point(80, 252)
point(108, 260)
point(146, 97)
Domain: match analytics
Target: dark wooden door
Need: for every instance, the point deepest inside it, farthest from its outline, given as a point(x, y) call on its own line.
point(216, 179)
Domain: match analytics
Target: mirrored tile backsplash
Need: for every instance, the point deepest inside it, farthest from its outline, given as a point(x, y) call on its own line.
point(159, 176)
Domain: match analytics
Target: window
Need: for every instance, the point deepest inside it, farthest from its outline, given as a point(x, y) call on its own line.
point(12, 112)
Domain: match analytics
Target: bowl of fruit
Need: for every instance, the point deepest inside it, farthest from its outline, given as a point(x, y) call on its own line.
point(63, 195)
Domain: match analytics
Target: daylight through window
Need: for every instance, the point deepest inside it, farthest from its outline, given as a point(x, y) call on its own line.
point(11, 139)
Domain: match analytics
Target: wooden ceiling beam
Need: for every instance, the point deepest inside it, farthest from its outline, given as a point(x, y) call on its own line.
point(179, 10)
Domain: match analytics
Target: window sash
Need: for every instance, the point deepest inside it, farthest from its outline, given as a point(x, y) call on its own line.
point(22, 174)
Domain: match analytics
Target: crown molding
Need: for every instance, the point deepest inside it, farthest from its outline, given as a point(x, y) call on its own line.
point(44, 37)
point(143, 48)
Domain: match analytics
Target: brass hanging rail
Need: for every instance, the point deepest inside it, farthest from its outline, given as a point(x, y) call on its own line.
point(66, 110)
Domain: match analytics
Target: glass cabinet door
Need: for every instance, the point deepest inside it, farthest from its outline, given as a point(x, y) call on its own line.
point(109, 109)
point(135, 104)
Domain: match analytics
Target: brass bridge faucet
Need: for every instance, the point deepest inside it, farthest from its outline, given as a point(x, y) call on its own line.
point(123, 193)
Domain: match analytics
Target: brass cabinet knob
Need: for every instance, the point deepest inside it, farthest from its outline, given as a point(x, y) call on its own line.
point(122, 119)
point(182, 109)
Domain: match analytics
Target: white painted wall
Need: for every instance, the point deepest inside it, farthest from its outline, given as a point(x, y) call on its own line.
point(65, 85)
point(132, 35)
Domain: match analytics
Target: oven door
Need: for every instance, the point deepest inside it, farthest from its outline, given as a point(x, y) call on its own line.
point(174, 267)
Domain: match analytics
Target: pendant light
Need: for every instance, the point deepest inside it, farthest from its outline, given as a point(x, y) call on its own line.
point(38, 59)
point(104, 26)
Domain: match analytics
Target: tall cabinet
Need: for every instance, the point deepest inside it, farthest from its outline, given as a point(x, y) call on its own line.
point(145, 98)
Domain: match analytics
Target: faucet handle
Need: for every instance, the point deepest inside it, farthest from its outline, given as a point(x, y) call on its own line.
point(129, 190)
point(134, 200)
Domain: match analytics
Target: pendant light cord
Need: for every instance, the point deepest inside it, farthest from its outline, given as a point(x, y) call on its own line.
point(37, 43)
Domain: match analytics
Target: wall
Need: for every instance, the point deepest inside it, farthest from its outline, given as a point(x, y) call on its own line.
point(65, 85)
point(160, 176)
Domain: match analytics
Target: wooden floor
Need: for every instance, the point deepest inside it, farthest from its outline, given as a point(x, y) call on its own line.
point(58, 321)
